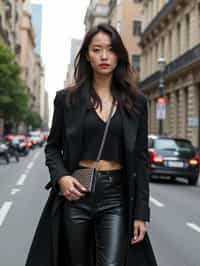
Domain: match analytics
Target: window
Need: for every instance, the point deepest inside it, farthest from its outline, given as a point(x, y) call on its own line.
point(188, 31)
point(199, 19)
point(174, 145)
point(178, 38)
point(162, 46)
point(137, 27)
point(169, 45)
point(136, 62)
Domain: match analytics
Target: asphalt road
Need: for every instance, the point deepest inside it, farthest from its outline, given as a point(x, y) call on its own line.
point(174, 229)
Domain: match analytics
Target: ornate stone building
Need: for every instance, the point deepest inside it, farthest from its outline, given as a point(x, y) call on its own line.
point(171, 31)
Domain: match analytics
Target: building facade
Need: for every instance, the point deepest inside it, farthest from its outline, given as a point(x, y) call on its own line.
point(46, 111)
point(75, 46)
point(171, 31)
point(127, 16)
point(18, 32)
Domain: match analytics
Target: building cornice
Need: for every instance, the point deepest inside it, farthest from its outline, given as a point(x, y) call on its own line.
point(164, 15)
point(188, 60)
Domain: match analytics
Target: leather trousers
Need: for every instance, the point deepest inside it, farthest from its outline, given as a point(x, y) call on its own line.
point(102, 213)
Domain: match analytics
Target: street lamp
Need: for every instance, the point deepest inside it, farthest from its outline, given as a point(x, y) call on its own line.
point(161, 104)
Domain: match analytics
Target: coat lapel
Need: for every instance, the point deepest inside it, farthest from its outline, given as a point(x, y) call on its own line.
point(130, 124)
point(74, 119)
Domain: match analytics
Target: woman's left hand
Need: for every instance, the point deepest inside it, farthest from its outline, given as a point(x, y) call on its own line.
point(139, 230)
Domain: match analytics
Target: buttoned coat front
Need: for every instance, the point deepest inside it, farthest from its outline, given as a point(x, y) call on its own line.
point(62, 155)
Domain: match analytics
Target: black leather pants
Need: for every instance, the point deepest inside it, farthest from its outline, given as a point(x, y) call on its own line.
point(102, 213)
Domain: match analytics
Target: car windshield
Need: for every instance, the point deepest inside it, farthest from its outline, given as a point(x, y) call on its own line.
point(34, 134)
point(174, 145)
point(15, 140)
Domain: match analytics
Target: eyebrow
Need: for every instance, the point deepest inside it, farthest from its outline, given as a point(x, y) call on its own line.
point(98, 45)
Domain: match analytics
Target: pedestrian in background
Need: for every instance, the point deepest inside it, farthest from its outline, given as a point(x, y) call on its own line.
point(107, 227)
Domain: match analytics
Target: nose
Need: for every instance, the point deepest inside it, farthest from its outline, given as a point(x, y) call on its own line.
point(104, 54)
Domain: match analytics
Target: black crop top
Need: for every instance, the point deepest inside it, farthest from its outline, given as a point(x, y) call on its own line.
point(92, 135)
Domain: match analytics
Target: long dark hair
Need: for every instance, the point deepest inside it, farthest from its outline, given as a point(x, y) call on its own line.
point(124, 83)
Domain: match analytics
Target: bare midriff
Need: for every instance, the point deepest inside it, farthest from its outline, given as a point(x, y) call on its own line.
point(101, 165)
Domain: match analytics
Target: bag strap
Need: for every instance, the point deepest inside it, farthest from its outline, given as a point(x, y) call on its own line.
point(105, 133)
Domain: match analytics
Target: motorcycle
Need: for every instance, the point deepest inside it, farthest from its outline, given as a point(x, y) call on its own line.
point(13, 149)
point(4, 152)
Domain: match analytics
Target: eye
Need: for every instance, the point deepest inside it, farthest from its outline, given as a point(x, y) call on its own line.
point(96, 50)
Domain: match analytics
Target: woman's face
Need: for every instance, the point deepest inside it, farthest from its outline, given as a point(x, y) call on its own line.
point(102, 58)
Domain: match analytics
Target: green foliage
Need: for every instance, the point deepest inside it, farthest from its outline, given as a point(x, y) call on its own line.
point(13, 96)
point(33, 119)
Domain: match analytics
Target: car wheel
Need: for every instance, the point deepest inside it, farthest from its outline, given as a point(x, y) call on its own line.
point(172, 178)
point(150, 178)
point(7, 159)
point(17, 157)
point(193, 181)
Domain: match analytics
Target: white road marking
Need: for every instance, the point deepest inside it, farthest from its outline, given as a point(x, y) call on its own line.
point(156, 202)
point(194, 227)
point(26, 171)
point(36, 155)
point(30, 165)
point(4, 211)
point(14, 191)
point(21, 180)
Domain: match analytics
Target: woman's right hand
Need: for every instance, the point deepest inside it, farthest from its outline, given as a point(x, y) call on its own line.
point(71, 188)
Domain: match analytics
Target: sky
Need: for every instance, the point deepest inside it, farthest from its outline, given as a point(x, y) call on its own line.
point(61, 22)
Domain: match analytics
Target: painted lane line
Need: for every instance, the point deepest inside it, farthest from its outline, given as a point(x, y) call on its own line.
point(194, 227)
point(30, 165)
point(36, 156)
point(21, 180)
point(26, 171)
point(4, 211)
point(156, 202)
point(14, 191)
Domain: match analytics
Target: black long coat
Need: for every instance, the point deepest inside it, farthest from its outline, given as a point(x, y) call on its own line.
point(62, 155)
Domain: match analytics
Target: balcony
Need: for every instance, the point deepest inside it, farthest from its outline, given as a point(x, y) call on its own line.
point(99, 10)
point(168, 8)
point(188, 60)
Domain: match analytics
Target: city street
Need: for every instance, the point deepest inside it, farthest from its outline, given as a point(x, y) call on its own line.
point(175, 218)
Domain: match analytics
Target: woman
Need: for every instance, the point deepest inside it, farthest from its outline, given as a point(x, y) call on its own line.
point(106, 227)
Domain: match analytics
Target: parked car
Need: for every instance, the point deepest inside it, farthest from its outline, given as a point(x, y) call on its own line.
point(29, 143)
point(36, 138)
point(45, 135)
point(174, 157)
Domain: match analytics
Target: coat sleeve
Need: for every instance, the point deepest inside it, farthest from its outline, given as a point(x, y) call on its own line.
point(142, 209)
point(53, 149)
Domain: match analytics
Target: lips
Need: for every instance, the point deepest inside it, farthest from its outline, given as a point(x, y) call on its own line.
point(104, 65)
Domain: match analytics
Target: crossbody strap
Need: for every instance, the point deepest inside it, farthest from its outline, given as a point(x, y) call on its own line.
point(105, 133)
